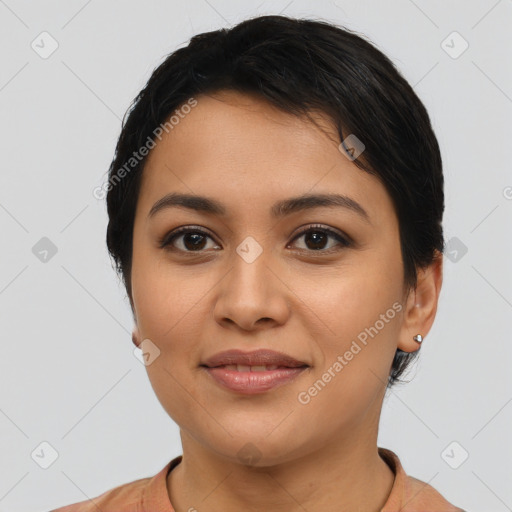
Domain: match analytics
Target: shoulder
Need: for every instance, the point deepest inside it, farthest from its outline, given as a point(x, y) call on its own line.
point(128, 496)
point(143, 495)
point(421, 496)
point(410, 494)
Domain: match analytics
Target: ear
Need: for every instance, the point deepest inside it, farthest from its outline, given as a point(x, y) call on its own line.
point(421, 307)
point(136, 336)
point(135, 331)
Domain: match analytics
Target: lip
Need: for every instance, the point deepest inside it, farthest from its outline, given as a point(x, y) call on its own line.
point(253, 358)
point(252, 382)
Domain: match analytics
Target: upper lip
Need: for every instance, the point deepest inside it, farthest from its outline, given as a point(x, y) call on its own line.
point(254, 358)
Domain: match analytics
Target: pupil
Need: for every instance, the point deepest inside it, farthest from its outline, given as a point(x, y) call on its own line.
point(195, 239)
point(318, 239)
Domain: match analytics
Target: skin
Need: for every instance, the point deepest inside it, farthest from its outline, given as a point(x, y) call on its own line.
point(293, 298)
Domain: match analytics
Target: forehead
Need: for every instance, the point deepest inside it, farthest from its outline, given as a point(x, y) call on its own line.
point(246, 152)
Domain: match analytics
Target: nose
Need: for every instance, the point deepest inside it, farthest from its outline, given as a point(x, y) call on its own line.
point(252, 296)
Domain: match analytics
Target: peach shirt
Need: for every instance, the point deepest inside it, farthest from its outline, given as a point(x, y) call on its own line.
point(150, 494)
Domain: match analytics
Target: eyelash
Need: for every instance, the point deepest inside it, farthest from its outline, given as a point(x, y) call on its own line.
point(166, 241)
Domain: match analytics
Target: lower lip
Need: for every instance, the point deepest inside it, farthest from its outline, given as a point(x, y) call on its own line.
point(251, 383)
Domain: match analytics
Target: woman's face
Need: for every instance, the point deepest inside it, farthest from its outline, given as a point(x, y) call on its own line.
point(248, 279)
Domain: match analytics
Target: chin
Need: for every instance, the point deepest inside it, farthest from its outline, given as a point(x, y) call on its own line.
point(255, 450)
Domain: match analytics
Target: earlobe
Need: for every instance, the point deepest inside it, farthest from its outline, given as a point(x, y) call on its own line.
point(421, 306)
point(418, 338)
point(135, 336)
point(135, 331)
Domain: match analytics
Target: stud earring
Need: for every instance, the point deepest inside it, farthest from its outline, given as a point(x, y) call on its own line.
point(418, 338)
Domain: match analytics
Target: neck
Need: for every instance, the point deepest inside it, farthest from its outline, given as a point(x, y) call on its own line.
point(345, 475)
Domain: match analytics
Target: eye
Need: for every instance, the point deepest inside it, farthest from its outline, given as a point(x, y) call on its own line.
point(191, 239)
point(317, 236)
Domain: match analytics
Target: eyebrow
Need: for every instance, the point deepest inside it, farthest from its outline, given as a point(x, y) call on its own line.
point(280, 209)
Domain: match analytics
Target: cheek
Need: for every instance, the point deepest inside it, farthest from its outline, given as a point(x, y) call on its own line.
point(355, 362)
point(360, 314)
point(172, 309)
point(344, 303)
point(168, 305)
point(164, 295)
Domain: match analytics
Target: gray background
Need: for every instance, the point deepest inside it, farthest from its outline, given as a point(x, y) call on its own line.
point(68, 375)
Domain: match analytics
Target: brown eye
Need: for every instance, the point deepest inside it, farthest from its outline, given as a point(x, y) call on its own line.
point(193, 241)
point(186, 239)
point(316, 238)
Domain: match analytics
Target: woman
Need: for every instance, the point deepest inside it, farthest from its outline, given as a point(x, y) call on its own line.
point(275, 211)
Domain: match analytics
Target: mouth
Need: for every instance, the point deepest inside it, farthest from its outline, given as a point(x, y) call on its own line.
point(254, 361)
point(249, 381)
point(255, 368)
point(254, 372)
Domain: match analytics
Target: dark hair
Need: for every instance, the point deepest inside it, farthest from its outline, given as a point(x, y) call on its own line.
point(300, 66)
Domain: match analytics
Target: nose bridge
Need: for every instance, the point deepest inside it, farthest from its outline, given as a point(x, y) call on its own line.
point(250, 268)
point(250, 291)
